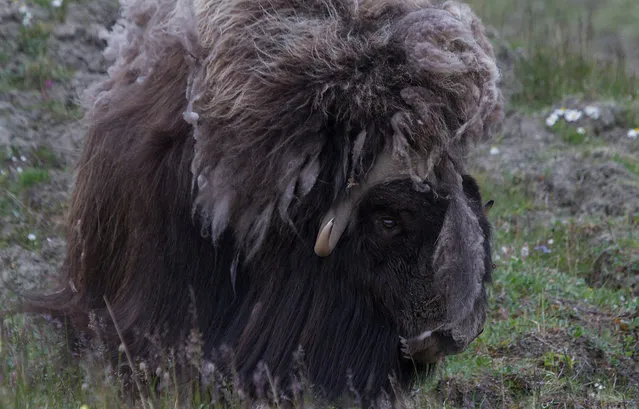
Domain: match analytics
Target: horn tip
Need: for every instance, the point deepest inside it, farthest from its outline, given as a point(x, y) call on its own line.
point(322, 243)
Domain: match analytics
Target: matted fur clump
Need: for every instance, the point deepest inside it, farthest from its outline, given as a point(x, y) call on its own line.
point(286, 180)
point(272, 83)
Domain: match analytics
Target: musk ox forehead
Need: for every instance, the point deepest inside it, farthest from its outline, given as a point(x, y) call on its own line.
point(405, 192)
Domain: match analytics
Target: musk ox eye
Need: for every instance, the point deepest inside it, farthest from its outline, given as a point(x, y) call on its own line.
point(389, 223)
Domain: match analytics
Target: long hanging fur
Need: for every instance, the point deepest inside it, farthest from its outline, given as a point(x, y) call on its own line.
point(246, 121)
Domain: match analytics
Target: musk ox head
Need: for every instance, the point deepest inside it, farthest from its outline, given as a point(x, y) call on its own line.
point(296, 170)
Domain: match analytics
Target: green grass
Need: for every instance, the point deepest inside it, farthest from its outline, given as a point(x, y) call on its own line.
point(37, 69)
point(555, 43)
point(36, 74)
point(63, 111)
point(546, 318)
point(628, 161)
point(32, 40)
point(569, 133)
point(22, 212)
point(44, 157)
point(32, 176)
point(547, 78)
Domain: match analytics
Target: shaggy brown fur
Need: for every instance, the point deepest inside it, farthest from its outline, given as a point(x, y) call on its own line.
point(249, 121)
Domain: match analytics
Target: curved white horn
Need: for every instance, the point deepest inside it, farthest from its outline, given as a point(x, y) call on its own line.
point(333, 226)
point(322, 244)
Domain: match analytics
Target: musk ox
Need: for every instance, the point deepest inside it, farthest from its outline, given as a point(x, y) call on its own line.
point(294, 172)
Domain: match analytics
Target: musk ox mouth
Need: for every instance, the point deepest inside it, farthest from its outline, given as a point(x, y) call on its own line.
point(429, 347)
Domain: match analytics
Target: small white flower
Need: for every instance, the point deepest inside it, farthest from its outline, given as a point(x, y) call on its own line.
point(551, 241)
point(84, 386)
point(525, 251)
point(56, 3)
point(26, 19)
point(23, 158)
point(142, 366)
point(504, 249)
point(23, 9)
point(552, 119)
point(572, 115)
point(19, 169)
point(31, 237)
point(633, 133)
point(14, 159)
point(560, 111)
point(592, 112)
point(581, 130)
point(121, 348)
point(494, 151)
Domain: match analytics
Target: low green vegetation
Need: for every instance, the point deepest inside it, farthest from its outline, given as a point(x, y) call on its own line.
point(32, 39)
point(557, 48)
point(25, 63)
point(547, 78)
point(628, 161)
point(562, 330)
point(32, 176)
point(26, 217)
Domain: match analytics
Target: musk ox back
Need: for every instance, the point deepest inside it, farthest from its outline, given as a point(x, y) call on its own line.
point(286, 176)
